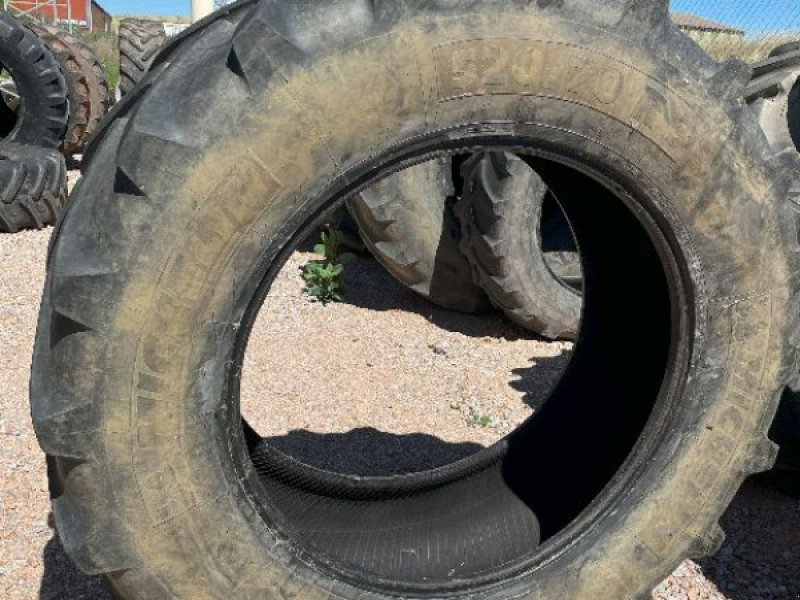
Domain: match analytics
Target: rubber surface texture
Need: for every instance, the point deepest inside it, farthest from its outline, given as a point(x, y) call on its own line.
point(785, 48)
point(139, 43)
point(408, 224)
point(501, 212)
point(33, 187)
point(248, 126)
point(89, 95)
point(774, 97)
point(42, 88)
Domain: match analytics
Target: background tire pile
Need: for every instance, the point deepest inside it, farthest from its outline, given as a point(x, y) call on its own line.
point(54, 95)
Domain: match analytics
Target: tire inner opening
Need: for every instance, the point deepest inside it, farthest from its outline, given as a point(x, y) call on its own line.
point(10, 102)
point(481, 511)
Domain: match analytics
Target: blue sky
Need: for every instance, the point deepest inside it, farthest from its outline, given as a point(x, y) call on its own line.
point(147, 7)
point(754, 16)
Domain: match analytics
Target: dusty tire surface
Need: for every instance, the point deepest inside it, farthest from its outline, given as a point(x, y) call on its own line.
point(171, 238)
point(33, 187)
point(502, 212)
point(89, 96)
point(139, 44)
point(408, 224)
point(40, 84)
point(774, 97)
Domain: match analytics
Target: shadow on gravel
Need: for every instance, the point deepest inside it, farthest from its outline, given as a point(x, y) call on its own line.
point(367, 451)
point(538, 380)
point(759, 559)
point(62, 580)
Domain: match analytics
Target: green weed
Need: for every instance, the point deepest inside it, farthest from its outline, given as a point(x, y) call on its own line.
point(324, 277)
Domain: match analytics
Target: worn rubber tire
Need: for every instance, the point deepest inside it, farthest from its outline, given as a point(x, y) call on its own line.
point(408, 224)
point(40, 84)
point(501, 214)
point(139, 44)
point(170, 239)
point(774, 97)
point(89, 96)
point(785, 48)
point(558, 244)
point(33, 186)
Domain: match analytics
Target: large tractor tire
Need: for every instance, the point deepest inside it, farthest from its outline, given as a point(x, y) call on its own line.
point(263, 119)
point(786, 48)
point(33, 187)
point(139, 43)
point(774, 97)
point(502, 212)
point(408, 224)
point(33, 93)
point(88, 92)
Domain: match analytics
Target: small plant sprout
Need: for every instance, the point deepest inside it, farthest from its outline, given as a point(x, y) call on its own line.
point(324, 277)
point(476, 419)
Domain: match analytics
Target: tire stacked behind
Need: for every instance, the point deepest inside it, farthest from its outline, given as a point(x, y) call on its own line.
point(32, 186)
point(501, 213)
point(408, 224)
point(139, 43)
point(42, 117)
point(89, 96)
point(774, 97)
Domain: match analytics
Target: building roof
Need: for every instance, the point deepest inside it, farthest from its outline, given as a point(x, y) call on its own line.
point(689, 21)
point(100, 8)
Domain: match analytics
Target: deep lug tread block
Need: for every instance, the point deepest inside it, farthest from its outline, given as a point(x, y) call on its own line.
point(100, 520)
point(139, 43)
point(41, 86)
point(33, 187)
point(89, 95)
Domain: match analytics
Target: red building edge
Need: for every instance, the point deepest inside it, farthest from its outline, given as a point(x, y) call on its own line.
point(86, 14)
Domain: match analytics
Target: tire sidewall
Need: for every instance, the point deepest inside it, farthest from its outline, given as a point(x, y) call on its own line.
point(32, 126)
point(204, 259)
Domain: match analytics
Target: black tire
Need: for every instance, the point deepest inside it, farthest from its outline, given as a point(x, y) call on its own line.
point(171, 240)
point(408, 224)
point(559, 246)
point(774, 97)
point(42, 117)
point(501, 213)
point(139, 44)
point(33, 187)
point(785, 48)
point(763, 70)
point(89, 96)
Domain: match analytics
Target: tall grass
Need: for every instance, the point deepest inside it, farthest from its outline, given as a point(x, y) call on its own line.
point(115, 19)
point(747, 49)
point(106, 47)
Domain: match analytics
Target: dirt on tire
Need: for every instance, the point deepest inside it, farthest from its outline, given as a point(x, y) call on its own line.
point(171, 241)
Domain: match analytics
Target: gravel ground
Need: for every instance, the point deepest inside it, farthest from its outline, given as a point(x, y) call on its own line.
point(409, 397)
